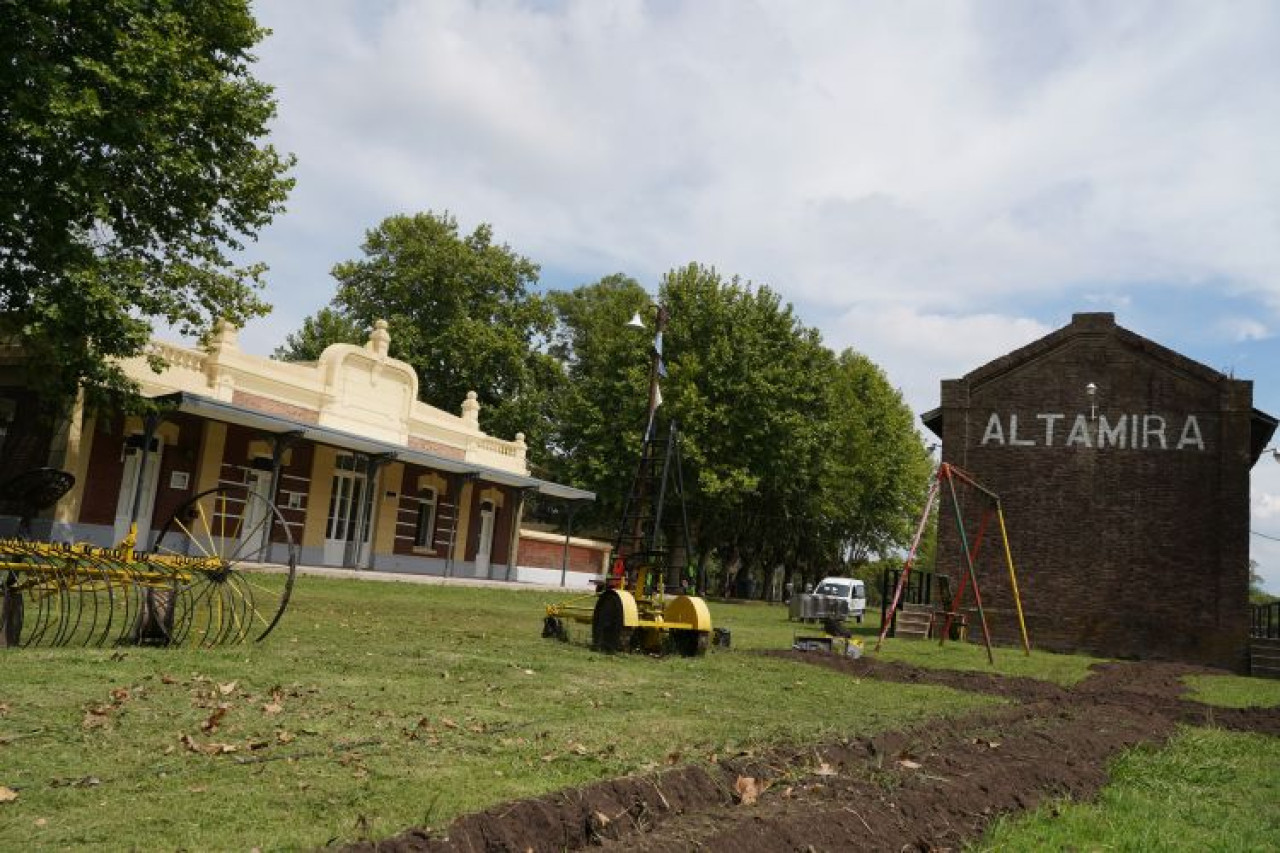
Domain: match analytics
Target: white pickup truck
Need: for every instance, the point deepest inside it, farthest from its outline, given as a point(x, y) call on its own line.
point(850, 592)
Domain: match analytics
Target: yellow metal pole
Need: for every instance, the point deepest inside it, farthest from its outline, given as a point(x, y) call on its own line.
point(1013, 579)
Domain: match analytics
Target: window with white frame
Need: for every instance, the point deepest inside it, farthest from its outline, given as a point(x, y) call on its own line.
point(424, 532)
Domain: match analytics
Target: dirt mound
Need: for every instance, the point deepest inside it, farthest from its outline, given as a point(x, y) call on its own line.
point(927, 788)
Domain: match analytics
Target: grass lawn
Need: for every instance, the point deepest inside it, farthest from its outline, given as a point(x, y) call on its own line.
point(379, 706)
point(1208, 790)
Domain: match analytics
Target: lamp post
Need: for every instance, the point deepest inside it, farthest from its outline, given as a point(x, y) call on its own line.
point(656, 368)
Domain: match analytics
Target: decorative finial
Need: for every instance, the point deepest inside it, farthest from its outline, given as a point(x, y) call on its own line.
point(471, 409)
point(380, 339)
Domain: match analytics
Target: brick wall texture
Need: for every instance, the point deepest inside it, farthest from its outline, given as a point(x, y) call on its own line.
point(537, 553)
point(1127, 511)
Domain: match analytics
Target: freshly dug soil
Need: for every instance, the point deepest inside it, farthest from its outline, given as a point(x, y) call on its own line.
point(933, 787)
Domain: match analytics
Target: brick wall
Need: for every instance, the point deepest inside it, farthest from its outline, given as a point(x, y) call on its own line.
point(541, 554)
point(428, 446)
point(1130, 537)
point(274, 407)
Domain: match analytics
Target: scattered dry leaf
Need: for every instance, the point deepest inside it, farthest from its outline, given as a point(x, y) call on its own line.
point(207, 748)
point(168, 679)
point(448, 723)
point(909, 764)
point(41, 822)
point(211, 725)
point(7, 795)
point(283, 736)
point(578, 748)
point(824, 769)
point(749, 789)
point(272, 708)
point(119, 694)
point(94, 718)
point(673, 757)
point(228, 688)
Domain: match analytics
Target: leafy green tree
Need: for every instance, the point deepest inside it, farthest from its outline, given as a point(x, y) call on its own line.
point(878, 468)
point(600, 413)
point(794, 457)
point(460, 311)
point(133, 173)
point(318, 331)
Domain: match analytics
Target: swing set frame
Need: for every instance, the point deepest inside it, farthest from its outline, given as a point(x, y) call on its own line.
point(949, 475)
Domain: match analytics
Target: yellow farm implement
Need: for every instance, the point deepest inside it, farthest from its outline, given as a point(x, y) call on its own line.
point(636, 614)
point(191, 588)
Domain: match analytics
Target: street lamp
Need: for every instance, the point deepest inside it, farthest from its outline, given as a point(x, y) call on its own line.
point(656, 367)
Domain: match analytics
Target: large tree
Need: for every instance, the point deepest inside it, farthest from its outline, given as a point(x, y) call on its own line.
point(794, 456)
point(133, 173)
point(599, 415)
point(460, 310)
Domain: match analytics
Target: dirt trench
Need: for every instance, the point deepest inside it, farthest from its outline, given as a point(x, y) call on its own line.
point(932, 787)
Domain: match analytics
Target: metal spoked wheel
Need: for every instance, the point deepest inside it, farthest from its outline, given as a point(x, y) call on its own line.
point(213, 537)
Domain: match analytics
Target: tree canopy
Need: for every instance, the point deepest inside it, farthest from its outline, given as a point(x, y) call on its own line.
point(133, 173)
point(793, 455)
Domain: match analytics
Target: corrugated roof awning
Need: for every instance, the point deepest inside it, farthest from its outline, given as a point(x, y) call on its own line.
point(207, 407)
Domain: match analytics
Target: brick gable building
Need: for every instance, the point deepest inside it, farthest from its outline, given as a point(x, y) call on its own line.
point(1123, 470)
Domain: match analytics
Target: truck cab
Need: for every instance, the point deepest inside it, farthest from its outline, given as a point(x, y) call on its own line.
point(850, 591)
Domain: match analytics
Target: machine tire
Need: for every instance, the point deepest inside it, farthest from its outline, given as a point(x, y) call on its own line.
point(553, 628)
point(691, 644)
point(609, 631)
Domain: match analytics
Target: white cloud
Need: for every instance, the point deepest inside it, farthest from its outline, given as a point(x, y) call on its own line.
point(1243, 329)
point(919, 349)
point(1264, 542)
point(947, 153)
point(917, 176)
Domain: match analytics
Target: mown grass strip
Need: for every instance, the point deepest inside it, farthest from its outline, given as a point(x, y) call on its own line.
point(376, 707)
point(1234, 691)
point(1208, 790)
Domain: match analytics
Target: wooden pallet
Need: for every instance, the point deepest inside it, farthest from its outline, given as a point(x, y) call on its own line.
point(914, 621)
point(1264, 657)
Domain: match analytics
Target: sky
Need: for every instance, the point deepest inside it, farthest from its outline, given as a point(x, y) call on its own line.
point(931, 183)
